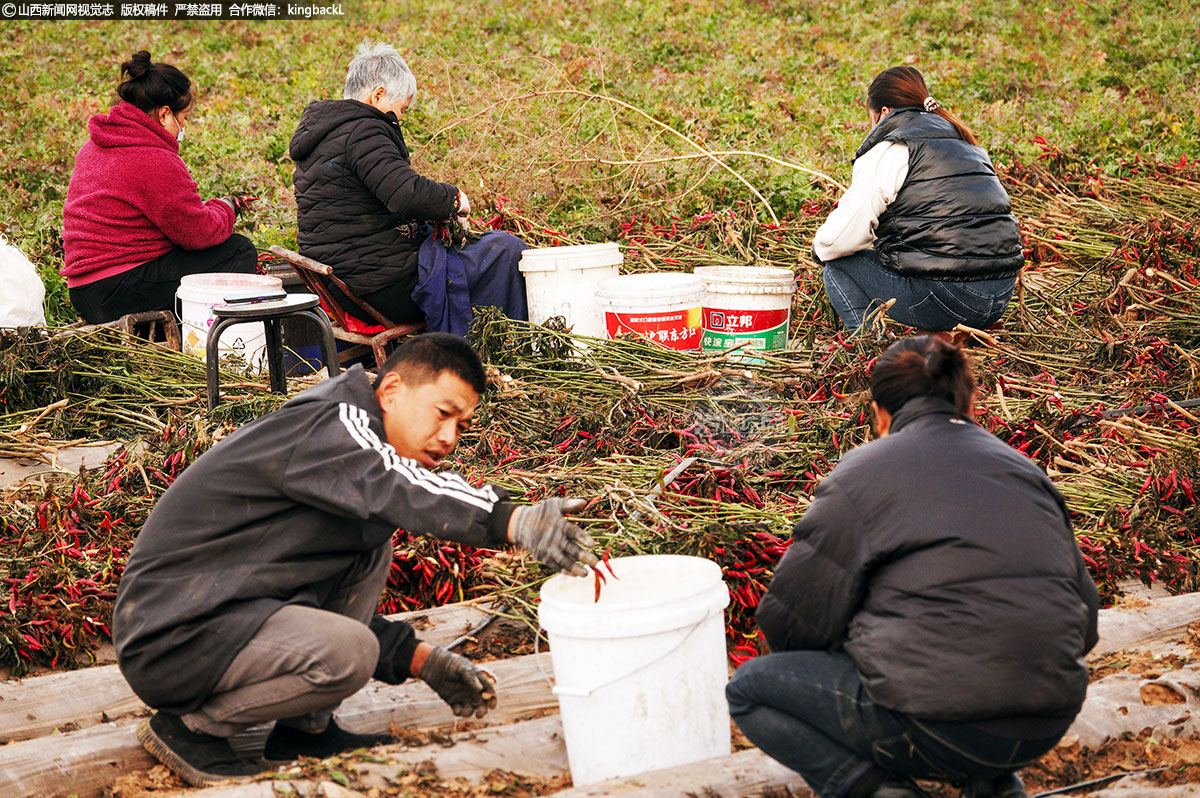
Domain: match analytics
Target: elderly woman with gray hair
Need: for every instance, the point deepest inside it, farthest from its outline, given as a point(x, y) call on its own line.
point(367, 213)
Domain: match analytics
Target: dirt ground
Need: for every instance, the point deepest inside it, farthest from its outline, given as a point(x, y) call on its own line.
point(501, 639)
point(1179, 761)
point(417, 783)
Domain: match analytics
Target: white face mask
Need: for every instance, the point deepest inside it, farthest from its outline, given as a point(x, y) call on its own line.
point(178, 124)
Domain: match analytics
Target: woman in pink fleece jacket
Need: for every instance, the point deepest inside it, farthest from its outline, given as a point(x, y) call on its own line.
point(133, 222)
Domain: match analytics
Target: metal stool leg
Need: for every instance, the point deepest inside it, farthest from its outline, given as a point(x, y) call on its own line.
point(213, 361)
point(275, 356)
point(328, 343)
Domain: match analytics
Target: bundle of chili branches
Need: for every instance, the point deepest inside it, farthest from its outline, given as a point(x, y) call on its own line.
point(63, 386)
point(1104, 318)
point(706, 455)
point(713, 455)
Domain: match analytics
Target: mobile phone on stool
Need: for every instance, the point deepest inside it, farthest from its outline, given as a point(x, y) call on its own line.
point(252, 297)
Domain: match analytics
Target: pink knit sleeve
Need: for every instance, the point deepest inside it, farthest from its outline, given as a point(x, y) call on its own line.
point(173, 204)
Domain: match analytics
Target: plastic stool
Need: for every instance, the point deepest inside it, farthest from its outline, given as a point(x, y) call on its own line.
point(270, 314)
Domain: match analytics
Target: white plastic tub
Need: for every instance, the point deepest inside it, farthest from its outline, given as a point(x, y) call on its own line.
point(662, 306)
point(748, 305)
point(194, 300)
point(561, 281)
point(640, 674)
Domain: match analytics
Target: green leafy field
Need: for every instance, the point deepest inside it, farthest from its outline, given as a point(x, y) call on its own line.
point(1107, 80)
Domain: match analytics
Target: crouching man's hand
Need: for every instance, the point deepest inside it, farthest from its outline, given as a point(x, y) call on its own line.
point(467, 689)
point(541, 529)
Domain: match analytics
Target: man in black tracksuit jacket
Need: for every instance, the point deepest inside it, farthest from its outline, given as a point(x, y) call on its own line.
point(933, 605)
point(251, 592)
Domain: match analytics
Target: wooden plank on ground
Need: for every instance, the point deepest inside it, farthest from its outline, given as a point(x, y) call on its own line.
point(1126, 628)
point(1135, 787)
point(84, 763)
point(532, 748)
point(74, 700)
point(260, 789)
point(744, 774)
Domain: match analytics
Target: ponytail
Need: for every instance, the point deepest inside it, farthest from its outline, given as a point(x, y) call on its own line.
point(903, 87)
point(922, 366)
point(148, 85)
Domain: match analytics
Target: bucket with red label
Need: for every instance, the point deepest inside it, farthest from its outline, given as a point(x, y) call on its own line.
point(664, 307)
point(746, 306)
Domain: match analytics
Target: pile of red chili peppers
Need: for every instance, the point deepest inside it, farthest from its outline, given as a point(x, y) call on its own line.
point(679, 453)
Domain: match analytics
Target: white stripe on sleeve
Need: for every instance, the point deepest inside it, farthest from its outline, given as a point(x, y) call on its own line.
point(357, 424)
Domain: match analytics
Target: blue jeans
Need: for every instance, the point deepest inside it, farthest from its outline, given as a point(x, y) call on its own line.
point(810, 711)
point(857, 283)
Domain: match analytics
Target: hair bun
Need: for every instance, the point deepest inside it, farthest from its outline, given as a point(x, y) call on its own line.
point(137, 65)
point(944, 360)
point(923, 365)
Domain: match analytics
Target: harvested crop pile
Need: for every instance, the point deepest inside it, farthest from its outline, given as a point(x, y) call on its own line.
point(1093, 376)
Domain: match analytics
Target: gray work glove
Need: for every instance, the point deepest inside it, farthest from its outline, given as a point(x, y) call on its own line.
point(467, 689)
point(542, 531)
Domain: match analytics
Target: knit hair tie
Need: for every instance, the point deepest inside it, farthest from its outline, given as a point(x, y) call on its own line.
point(931, 104)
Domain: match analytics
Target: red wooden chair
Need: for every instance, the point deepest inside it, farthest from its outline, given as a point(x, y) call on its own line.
point(379, 337)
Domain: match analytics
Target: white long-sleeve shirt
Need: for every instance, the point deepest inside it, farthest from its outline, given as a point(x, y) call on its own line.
point(877, 178)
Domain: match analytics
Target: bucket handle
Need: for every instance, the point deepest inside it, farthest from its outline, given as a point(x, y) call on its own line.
point(579, 692)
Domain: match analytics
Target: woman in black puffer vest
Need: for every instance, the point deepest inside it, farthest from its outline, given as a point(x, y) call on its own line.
point(925, 194)
point(931, 616)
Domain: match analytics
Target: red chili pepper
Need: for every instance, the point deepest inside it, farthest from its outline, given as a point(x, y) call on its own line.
point(1171, 483)
point(1186, 485)
point(607, 564)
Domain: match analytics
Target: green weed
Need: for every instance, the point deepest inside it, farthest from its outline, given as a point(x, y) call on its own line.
point(1106, 80)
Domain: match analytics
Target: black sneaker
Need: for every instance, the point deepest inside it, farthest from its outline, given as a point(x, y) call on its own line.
point(201, 760)
point(1006, 786)
point(285, 744)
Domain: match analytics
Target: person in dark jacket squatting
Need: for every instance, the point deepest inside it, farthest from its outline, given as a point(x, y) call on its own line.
point(925, 220)
point(251, 592)
point(930, 619)
point(363, 209)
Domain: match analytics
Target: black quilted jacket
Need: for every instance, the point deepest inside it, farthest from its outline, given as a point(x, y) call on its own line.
point(354, 185)
point(942, 561)
point(952, 219)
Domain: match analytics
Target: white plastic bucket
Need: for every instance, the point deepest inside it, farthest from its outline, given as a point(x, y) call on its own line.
point(194, 300)
point(640, 674)
point(662, 306)
point(746, 305)
point(561, 281)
